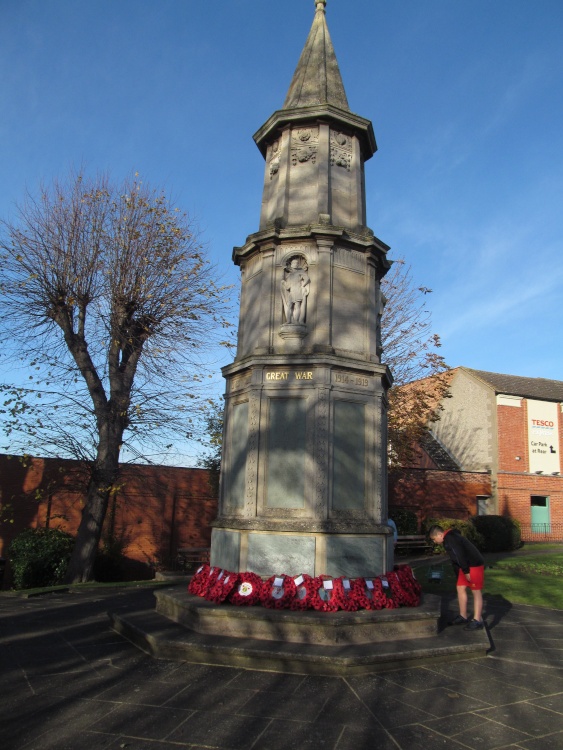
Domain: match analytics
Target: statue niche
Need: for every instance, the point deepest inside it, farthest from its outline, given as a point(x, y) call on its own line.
point(295, 288)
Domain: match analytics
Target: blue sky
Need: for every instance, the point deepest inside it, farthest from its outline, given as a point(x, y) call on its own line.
point(466, 99)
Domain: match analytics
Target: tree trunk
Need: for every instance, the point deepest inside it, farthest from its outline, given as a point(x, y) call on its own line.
point(104, 475)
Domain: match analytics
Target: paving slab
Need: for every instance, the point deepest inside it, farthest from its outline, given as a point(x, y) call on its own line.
point(68, 681)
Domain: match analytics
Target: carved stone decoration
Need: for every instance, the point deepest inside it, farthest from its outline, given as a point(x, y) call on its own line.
point(253, 266)
point(295, 287)
point(304, 145)
point(340, 150)
point(351, 259)
point(283, 252)
point(274, 159)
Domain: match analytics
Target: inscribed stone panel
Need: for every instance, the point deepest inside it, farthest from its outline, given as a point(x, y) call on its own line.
point(354, 556)
point(348, 473)
point(239, 440)
point(286, 453)
point(276, 553)
point(225, 549)
point(348, 300)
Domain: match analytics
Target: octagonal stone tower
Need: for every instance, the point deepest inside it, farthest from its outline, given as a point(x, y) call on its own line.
point(304, 482)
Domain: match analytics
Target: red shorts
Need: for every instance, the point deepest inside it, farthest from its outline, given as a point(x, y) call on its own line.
point(477, 576)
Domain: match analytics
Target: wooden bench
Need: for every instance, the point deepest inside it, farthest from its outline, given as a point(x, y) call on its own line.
point(191, 558)
point(413, 542)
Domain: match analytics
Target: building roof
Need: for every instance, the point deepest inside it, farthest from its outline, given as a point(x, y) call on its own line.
point(317, 78)
point(516, 385)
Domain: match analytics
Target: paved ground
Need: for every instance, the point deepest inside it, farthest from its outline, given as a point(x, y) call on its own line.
point(68, 682)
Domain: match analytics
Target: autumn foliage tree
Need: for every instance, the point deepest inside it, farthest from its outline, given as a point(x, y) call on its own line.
point(109, 300)
point(412, 351)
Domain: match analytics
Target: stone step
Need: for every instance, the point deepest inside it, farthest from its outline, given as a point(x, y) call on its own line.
point(158, 635)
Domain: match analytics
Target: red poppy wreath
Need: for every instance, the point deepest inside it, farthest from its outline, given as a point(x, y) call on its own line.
point(206, 582)
point(345, 594)
point(224, 584)
point(372, 596)
point(390, 592)
point(278, 592)
point(199, 580)
point(304, 591)
point(323, 599)
point(411, 588)
point(247, 591)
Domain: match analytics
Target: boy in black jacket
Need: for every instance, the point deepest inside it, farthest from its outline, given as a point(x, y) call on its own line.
point(470, 568)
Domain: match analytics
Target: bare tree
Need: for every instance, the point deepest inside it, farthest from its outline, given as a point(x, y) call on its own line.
point(108, 296)
point(411, 350)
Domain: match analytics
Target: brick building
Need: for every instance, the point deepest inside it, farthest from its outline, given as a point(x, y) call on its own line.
point(496, 449)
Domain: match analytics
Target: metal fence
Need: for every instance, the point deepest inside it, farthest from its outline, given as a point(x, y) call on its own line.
point(542, 532)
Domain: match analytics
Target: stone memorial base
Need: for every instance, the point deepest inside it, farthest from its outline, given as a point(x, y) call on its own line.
point(187, 628)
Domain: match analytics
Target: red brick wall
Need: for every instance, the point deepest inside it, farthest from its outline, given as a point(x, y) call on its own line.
point(512, 438)
point(156, 510)
point(515, 491)
point(515, 485)
point(433, 493)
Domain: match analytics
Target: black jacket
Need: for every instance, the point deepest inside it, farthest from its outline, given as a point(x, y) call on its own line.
point(462, 552)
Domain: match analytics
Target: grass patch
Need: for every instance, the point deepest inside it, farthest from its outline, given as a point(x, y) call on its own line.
point(533, 579)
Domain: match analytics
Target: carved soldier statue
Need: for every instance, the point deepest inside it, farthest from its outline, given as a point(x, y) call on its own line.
point(295, 288)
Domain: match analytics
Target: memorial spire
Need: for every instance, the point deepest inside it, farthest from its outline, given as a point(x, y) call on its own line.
point(317, 78)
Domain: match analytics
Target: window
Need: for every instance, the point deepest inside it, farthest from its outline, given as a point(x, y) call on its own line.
point(482, 505)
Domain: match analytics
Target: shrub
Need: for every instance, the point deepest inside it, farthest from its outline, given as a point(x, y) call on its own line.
point(406, 521)
point(500, 533)
point(466, 529)
point(108, 566)
point(39, 557)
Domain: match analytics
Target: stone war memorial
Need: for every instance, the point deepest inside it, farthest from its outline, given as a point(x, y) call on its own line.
point(303, 481)
point(301, 530)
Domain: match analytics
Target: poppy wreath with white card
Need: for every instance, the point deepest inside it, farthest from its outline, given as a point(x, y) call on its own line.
point(323, 599)
point(224, 584)
point(208, 582)
point(390, 602)
point(364, 593)
point(345, 594)
point(247, 591)
point(199, 580)
point(278, 592)
point(373, 595)
point(304, 591)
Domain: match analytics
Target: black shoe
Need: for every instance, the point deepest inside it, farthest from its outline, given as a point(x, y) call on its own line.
point(474, 625)
point(458, 620)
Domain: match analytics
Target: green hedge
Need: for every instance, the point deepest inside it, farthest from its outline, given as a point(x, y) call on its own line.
point(405, 520)
point(500, 534)
point(465, 528)
point(39, 557)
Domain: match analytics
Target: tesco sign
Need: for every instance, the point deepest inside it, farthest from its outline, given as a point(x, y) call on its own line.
point(543, 423)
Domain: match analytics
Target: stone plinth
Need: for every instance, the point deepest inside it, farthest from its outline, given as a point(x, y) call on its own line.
point(303, 485)
point(327, 643)
point(320, 628)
